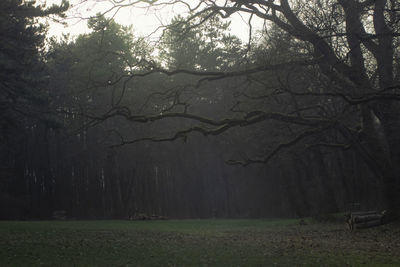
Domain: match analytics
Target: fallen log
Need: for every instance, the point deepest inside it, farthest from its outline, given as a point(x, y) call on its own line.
point(364, 219)
point(367, 218)
point(367, 224)
point(356, 213)
point(59, 215)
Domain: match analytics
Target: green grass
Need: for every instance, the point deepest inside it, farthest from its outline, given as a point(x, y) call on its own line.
point(195, 243)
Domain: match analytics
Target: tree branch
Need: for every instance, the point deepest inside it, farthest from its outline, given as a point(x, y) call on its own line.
point(281, 147)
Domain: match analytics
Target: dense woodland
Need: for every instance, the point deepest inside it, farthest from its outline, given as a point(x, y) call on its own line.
point(301, 120)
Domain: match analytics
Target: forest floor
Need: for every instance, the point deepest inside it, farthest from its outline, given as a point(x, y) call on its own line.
point(268, 242)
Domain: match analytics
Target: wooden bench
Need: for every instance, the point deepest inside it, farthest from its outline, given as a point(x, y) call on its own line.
point(364, 219)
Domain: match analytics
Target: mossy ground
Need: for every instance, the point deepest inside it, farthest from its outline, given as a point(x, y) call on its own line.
point(196, 243)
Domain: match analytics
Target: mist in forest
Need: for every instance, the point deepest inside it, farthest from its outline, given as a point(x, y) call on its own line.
point(300, 120)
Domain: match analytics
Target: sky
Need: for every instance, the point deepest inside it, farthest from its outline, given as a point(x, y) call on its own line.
point(146, 21)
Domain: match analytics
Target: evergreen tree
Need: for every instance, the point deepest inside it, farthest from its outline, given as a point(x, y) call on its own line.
point(23, 100)
point(22, 73)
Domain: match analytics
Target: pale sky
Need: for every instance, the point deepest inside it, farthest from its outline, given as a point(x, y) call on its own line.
point(145, 21)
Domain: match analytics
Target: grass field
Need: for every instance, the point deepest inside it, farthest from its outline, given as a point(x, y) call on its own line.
point(196, 243)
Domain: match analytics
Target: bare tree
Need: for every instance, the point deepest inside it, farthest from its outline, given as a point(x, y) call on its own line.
point(353, 45)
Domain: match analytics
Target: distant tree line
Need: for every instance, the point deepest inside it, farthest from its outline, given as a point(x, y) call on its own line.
point(106, 125)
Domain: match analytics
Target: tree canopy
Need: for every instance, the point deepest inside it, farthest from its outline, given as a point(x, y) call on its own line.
point(23, 75)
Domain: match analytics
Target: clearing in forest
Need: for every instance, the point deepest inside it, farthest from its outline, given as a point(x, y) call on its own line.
point(196, 243)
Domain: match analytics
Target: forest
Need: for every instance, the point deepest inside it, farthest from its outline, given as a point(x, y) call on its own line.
point(302, 119)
